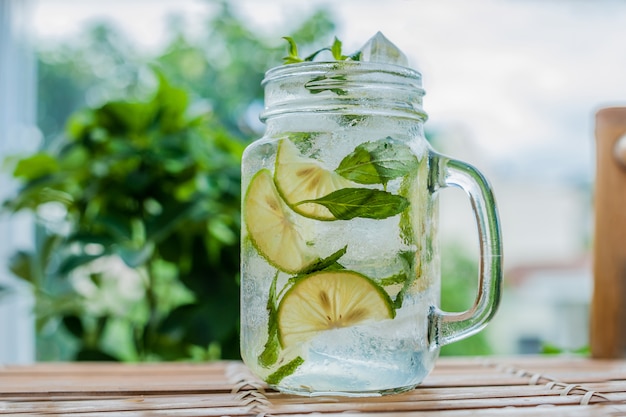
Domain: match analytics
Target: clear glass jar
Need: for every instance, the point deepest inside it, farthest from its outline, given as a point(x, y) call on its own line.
point(340, 270)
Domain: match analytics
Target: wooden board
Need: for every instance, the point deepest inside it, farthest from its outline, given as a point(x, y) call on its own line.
point(608, 308)
point(535, 386)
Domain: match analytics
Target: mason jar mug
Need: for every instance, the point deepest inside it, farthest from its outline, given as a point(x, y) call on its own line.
point(340, 268)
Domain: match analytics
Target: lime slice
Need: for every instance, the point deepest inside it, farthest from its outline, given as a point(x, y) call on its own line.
point(271, 226)
point(299, 179)
point(328, 300)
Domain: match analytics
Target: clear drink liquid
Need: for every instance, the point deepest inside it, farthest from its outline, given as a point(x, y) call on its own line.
point(379, 357)
point(394, 253)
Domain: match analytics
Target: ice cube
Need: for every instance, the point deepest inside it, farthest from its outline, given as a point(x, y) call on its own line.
point(365, 358)
point(382, 50)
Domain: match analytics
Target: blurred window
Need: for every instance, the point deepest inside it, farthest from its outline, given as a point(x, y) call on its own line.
point(17, 134)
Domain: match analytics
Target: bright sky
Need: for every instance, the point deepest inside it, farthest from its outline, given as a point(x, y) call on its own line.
point(519, 79)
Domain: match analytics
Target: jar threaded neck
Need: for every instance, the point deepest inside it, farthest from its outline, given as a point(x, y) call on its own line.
point(343, 87)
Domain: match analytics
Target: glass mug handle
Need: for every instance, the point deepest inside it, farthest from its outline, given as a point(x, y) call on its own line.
point(445, 327)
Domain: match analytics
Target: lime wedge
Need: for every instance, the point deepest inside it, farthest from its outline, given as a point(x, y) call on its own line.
point(272, 227)
point(299, 179)
point(328, 300)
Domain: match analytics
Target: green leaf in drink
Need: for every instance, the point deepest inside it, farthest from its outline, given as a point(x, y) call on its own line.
point(326, 83)
point(269, 356)
point(410, 265)
point(329, 262)
point(399, 278)
point(377, 162)
point(284, 371)
point(348, 203)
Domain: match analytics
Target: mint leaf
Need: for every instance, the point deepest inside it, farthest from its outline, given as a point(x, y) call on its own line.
point(408, 258)
point(327, 264)
point(377, 162)
point(394, 279)
point(323, 83)
point(330, 261)
point(302, 140)
point(292, 51)
point(355, 56)
point(285, 370)
point(335, 49)
point(358, 167)
point(269, 356)
point(348, 203)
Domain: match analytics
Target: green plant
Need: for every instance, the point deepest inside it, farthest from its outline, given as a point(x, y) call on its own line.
point(149, 197)
point(550, 349)
point(136, 253)
point(458, 290)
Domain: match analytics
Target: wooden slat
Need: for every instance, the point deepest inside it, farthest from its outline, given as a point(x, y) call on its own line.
point(518, 386)
point(608, 306)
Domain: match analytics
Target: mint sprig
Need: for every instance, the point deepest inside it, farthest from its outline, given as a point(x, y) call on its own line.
point(335, 49)
point(269, 356)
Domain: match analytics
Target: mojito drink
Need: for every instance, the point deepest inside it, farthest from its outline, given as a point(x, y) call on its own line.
point(340, 266)
point(337, 271)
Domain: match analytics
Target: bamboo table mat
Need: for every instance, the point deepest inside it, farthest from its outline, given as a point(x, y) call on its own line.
point(489, 386)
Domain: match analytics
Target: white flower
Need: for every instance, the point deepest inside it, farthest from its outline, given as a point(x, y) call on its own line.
point(119, 287)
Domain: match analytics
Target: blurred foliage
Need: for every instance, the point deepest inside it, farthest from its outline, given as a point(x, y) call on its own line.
point(137, 193)
point(550, 349)
point(458, 288)
point(153, 191)
point(98, 66)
